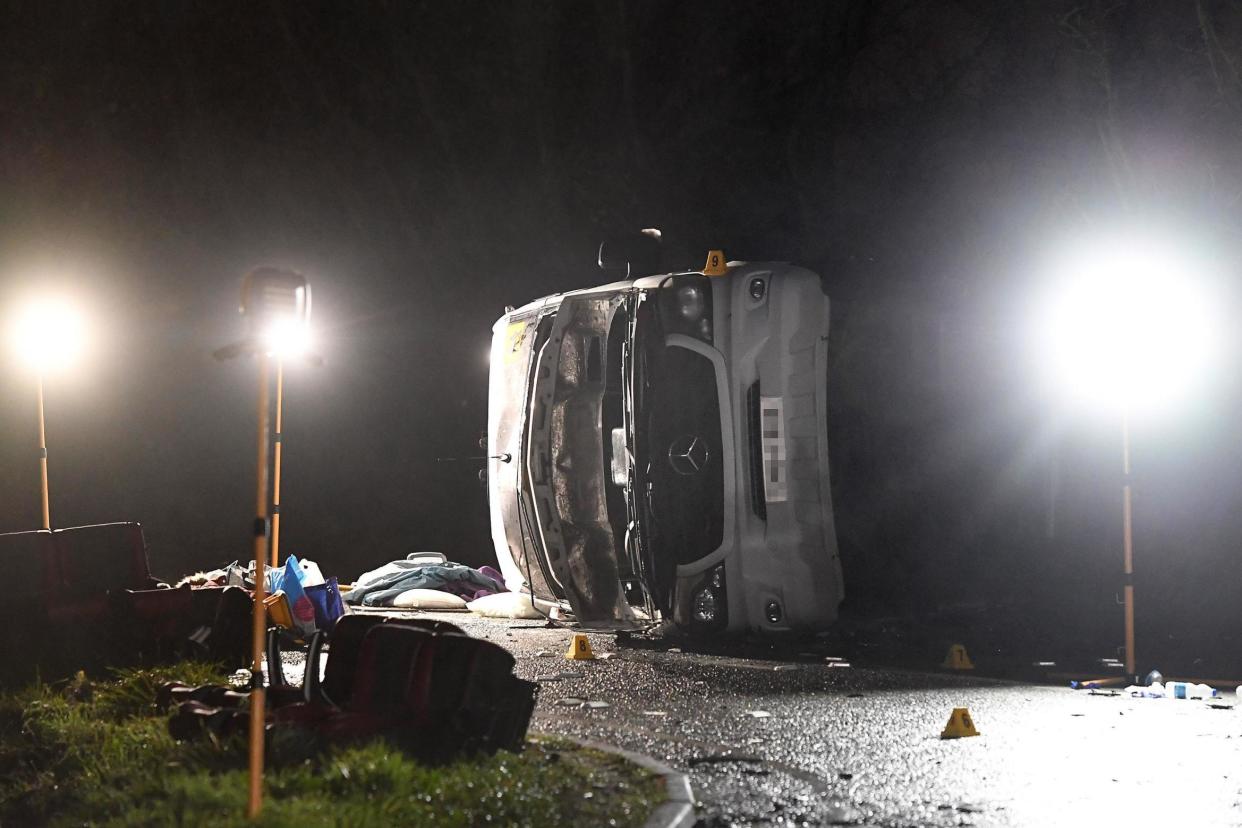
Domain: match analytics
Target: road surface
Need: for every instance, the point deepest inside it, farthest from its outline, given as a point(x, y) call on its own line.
point(803, 740)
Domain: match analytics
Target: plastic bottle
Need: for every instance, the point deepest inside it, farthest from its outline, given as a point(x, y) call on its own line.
point(1187, 690)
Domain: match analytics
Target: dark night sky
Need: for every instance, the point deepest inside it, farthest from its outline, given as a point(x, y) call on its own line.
point(426, 164)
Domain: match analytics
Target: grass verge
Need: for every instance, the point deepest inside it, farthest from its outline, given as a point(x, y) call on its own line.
point(99, 753)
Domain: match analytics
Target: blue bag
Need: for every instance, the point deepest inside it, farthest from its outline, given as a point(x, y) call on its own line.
point(326, 600)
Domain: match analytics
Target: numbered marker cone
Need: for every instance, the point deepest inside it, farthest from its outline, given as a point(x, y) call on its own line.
point(579, 649)
point(716, 264)
point(960, 725)
point(957, 659)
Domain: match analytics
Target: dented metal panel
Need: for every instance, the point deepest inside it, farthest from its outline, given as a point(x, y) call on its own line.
point(566, 460)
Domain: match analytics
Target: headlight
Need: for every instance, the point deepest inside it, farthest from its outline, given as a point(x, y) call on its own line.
point(691, 303)
point(704, 609)
point(686, 305)
point(706, 606)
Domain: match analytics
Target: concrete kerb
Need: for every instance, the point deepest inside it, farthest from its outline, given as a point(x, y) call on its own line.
point(675, 812)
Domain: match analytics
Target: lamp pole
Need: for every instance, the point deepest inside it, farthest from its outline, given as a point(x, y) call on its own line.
point(1127, 535)
point(276, 304)
point(258, 705)
point(280, 385)
point(47, 514)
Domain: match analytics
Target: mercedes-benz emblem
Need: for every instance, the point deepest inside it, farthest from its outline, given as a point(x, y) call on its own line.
point(688, 454)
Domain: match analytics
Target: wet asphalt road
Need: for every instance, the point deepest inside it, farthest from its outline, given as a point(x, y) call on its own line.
point(799, 741)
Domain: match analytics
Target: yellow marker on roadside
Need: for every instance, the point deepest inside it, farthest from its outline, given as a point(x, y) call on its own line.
point(960, 725)
point(580, 649)
point(957, 659)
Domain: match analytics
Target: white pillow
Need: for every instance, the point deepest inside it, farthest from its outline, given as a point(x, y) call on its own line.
point(429, 599)
point(510, 605)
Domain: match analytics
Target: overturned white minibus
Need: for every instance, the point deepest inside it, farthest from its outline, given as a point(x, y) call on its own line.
point(659, 451)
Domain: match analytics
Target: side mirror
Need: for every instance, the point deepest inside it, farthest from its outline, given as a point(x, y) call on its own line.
point(631, 255)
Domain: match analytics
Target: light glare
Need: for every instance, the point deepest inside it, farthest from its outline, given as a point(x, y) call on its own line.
point(1131, 328)
point(286, 337)
point(48, 335)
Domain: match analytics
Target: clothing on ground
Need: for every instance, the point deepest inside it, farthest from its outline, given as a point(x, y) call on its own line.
point(380, 586)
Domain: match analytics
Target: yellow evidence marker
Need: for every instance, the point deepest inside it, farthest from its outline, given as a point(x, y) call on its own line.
point(957, 659)
point(580, 649)
point(960, 725)
point(716, 264)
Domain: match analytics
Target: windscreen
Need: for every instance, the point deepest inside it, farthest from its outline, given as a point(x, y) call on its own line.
point(680, 449)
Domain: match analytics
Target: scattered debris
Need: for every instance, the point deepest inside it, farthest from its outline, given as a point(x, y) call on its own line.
point(574, 701)
point(454, 671)
point(759, 714)
point(780, 668)
point(542, 654)
point(674, 649)
point(1093, 684)
point(1172, 690)
point(655, 713)
point(605, 656)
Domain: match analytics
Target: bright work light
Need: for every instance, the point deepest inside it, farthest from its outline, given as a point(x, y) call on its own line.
point(48, 334)
point(1129, 327)
point(276, 303)
point(285, 337)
